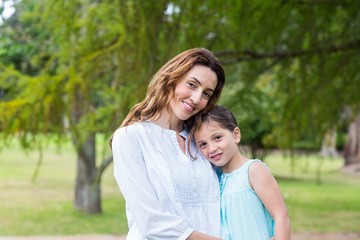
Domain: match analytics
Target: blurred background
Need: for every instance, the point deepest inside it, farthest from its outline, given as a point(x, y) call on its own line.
point(71, 70)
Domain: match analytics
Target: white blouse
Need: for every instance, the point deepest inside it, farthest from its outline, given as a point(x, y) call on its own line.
point(167, 194)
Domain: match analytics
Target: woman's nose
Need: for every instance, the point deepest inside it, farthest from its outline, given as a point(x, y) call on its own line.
point(196, 97)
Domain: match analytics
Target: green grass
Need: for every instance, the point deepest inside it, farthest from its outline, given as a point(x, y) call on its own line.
point(45, 206)
point(319, 197)
point(325, 202)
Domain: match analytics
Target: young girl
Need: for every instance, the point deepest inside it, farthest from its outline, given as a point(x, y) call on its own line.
point(251, 203)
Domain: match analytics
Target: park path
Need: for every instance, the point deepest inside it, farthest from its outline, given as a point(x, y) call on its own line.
point(74, 237)
point(295, 236)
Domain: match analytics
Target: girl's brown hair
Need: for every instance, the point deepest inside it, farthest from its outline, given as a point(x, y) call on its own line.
point(220, 114)
point(162, 85)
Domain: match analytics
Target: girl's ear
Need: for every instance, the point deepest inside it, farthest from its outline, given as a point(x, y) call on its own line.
point(237, 135)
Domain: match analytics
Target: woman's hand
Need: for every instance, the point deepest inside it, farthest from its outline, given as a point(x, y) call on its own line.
point(195, 235)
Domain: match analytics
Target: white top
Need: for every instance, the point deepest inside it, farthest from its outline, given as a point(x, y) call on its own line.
point(167, 194)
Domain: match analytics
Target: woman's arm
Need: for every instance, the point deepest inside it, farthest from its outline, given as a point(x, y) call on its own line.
point(267, 189)
point(201, 236)
point(153, 219)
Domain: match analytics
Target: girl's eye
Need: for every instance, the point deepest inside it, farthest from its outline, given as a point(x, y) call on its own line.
point(217, 138)
point(202, 145)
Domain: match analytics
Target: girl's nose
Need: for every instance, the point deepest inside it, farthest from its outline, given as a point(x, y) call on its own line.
point(212, 148)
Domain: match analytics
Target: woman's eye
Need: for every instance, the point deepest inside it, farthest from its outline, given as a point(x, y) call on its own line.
point(192, 85)
point(218, 138)
point(207, 95)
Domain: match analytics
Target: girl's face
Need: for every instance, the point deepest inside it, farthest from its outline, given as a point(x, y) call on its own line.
point(218, 145)
point(193, 92)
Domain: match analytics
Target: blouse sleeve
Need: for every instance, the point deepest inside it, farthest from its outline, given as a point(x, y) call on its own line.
point(154, 220)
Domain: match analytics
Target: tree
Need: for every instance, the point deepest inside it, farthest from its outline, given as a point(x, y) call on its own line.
point(352, 147)
point(99, 58)
point(311, 49)
point(98, 64)
point(91, 61)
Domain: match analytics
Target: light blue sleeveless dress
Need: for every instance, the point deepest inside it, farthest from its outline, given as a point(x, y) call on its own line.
point(243, 215)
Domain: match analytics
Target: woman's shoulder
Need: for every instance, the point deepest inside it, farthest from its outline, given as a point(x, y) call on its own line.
point(129, 131)
point(131, 127)
point(138, 129)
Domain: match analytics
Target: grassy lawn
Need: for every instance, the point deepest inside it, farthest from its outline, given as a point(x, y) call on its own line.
point(44, 207)
point(319, 197)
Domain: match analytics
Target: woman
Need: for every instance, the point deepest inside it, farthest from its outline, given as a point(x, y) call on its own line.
point(168, 194)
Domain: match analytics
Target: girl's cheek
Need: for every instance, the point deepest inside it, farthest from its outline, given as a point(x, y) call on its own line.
point(203, 151)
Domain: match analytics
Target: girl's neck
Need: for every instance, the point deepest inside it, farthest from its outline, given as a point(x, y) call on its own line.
point(235, 163)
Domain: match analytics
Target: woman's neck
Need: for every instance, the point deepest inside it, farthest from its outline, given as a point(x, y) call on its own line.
point(169, 121)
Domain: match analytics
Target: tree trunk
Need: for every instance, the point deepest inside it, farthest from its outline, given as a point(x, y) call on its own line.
point(328, 146)
point(352, 147)
point(87, 189)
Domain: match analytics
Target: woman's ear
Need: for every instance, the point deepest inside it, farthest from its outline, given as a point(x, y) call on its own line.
point(237, 135)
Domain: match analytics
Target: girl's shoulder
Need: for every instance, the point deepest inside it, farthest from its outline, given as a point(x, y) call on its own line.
point(258, 169)
point(257, 164)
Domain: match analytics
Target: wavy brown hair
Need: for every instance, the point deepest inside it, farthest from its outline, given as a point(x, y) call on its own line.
point(162, 85)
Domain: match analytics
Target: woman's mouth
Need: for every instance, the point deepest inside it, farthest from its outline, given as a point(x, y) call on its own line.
point(188, 107)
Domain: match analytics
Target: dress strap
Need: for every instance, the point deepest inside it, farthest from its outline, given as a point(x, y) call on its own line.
point(247, 166)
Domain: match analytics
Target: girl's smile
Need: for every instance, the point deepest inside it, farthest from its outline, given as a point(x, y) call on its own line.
point(219, 145)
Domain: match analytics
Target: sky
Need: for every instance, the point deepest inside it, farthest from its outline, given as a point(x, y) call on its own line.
point(8, 9)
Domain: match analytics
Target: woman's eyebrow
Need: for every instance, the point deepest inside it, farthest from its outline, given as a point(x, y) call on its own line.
point(194, 78)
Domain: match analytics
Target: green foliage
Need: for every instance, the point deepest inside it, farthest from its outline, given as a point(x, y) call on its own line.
point(17, 45)
point(104, 49)
point(35, 113)
point(75, 68)
point(255, 109)
point(311, 51)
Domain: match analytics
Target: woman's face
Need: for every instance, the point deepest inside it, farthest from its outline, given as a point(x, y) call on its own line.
point(193, 92)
